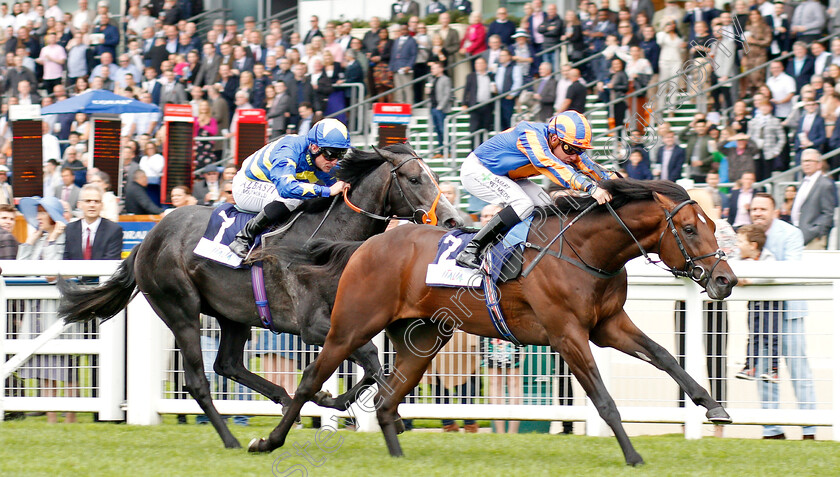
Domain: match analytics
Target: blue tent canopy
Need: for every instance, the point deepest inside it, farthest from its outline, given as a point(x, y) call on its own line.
point(100, 101)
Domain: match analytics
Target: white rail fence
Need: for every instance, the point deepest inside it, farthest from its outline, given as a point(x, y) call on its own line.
point(129, 368)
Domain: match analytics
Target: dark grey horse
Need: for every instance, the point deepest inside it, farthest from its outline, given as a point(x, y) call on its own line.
point(180, 285)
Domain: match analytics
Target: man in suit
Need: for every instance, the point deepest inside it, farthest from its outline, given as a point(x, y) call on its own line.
point(242, 61)
point(404, 9)
point(68, 191)
point(111, 36)
point(696, 137)
point(93, 237)
point(173, 91)
point(769, 135)
point(137, 200)
point(403, 57)
point(801, 66)
point(440, 94)
point(479, 88)
point(545, 92)
point(816, 199)
point(207, 190)
point(208, 73)
point(508, 80)
point(810, 133)
point(670, 157)
point(314, 30)
point(780, 25)
point(785, 242)
point(228, 83)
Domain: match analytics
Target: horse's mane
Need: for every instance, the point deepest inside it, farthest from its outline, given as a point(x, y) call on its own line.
point(358, 164)
point(624, 191)
point(352, 169)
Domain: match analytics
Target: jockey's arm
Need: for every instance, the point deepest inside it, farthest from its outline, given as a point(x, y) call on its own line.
point(283, 170)
point(536, 148)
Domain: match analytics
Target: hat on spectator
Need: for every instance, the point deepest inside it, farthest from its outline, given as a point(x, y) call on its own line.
point(218, 21)
point(740, 137)
point(28, 206)
point(520, 33)
point(250, 20)
point(102, 3)
point(230, 22)
point(4, 169)
point(207, 169)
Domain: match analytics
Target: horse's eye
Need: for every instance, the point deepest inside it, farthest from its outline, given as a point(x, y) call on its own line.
point(414, 180)
point(689, 230)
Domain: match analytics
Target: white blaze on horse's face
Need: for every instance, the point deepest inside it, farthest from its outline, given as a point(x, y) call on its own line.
point(702, 219)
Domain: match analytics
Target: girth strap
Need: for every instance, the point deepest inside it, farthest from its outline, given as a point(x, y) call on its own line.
point(261, 297)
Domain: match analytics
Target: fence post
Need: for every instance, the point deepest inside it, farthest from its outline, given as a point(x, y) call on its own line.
point(3, 337)
point(595, 425)
point(835, 370)
point(694, 356)
point(111, 366)
point(145, 358)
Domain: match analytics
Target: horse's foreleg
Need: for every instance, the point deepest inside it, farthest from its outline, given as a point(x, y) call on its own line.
point(368, 358)
point(621, 333)
point(574, 348)
point(416, 346)
point(229, 362)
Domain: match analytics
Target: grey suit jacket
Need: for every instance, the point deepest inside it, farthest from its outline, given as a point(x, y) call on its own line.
point(816, 217)
point(209, 72)
point(176, 96)
point(443, 93)
point(74, 194)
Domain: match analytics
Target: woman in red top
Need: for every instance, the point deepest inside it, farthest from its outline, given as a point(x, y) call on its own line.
point(475, 38)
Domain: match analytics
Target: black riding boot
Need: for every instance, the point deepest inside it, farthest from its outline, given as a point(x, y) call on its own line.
point(487, 236)
point(273, 213)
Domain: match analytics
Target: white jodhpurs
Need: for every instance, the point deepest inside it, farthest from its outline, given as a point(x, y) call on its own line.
point(253, 196)
point(521, 194)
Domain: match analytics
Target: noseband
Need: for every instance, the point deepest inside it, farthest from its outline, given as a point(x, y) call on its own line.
point(419, 216)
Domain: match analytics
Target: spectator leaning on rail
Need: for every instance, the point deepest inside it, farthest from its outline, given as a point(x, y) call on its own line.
point(785, 242)
point(276, 179)
point(498, 170)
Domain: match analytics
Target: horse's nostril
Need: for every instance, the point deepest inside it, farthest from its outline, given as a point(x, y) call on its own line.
point(722, 281)
point(451, 223)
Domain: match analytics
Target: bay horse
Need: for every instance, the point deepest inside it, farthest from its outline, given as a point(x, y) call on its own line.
point(560, 303)
point(180, 285)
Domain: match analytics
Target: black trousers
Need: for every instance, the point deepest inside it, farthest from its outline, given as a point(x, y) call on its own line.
point(481, 118)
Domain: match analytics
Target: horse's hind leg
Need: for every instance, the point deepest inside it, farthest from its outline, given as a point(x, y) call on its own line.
point(182, 317)
point(368, 358)
point(574, 348)
point(621, 333)
point(416, 343)
point(229, 362)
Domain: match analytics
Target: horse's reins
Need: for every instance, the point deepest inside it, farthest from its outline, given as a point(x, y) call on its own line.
point(429, 217)
point(691, 269)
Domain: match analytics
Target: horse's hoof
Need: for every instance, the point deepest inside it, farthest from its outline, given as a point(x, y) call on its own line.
point(399, 426)
point(718, 415)
point(233, 445)
point(634, 460)
point(321, 396)
point(257, 445)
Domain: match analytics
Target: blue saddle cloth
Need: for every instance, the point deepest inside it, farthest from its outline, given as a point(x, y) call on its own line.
point(225, 222)
point(452, 243)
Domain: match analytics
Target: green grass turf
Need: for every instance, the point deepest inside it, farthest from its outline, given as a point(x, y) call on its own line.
point(33, 448)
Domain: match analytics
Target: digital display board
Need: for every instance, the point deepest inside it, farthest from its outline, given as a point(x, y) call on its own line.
point(27, 153)
point(106, 146)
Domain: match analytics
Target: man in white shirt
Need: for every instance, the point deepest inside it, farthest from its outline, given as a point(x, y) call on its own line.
point(54, 11)
point(783, 88)
point(6, 18)
point(822, 58)
point(815, 201)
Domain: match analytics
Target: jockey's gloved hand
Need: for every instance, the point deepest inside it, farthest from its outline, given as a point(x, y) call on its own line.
point(601, 195)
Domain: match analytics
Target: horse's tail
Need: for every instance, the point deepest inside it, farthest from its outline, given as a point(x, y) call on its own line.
point(80, 303)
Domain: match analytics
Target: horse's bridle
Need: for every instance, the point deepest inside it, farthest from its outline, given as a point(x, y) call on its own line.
point(424, 217)
point(691, 269)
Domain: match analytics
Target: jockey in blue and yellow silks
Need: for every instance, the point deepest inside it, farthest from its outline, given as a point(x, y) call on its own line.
point(498, 171)
point(276, 179)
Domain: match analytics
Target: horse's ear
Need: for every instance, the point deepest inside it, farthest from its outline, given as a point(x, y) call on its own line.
point(665, 202)
point(387, 155)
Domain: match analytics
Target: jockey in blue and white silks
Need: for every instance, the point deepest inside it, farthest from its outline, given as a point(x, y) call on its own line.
point(276, 179)
point(498, 171)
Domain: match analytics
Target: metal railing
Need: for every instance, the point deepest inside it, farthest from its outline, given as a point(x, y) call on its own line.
point(204, 21)
point(287, 17)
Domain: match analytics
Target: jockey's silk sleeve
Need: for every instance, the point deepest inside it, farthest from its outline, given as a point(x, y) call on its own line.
point(292, 184)
point(536, 148)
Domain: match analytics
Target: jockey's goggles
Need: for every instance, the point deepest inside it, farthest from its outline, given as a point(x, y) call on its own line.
point(333, 153)
point(569, 149)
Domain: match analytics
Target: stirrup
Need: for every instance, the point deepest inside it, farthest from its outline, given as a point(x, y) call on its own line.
point(469, 257)
point(240, 247)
